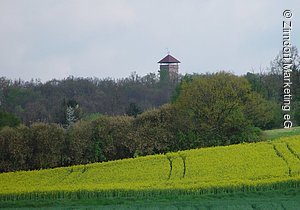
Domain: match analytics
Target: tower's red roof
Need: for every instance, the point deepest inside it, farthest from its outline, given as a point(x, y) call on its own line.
point(169, 59)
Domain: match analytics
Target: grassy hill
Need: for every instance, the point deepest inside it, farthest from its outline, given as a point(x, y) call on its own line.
point(228, 169)
point(279, 133)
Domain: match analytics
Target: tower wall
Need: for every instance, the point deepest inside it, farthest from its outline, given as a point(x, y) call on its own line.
point(168, 73)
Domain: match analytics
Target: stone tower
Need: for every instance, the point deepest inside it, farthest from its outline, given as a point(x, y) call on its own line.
point(168, 69)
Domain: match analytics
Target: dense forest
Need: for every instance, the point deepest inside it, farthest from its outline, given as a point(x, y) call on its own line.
point(83, 120)
point(47, 102)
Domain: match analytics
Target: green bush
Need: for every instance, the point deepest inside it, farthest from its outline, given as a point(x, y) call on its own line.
point(47, 143)
point(78, 143)
point(155, 130)
point(113, 138)
point(15, 152)
point(8, 119)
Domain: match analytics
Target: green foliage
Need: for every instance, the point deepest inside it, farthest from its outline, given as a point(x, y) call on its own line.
point(133, 110)
point(155, 130)
point(185, 79)
point(216, 108)
point(8, 119)
point(296, 107)
point(262, 113)
point(114, 136)
point(47, 142)
point(210, 110)
point(47, 102)
point(255, 81)
point(14, 149)
point(92, 117)
point(186, 140)
point(78, 141)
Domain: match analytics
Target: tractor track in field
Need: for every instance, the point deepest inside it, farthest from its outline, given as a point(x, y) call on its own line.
point(183, 158)
point(171, 166)
point(292, 151)
point(279, 154)
point(170, 159)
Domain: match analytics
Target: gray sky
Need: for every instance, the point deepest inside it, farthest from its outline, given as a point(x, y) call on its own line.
point(49, 39)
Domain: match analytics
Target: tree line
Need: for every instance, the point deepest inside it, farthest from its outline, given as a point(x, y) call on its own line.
point(35, 101)
point(269, 84)
point(84, 120)
point(209, 110)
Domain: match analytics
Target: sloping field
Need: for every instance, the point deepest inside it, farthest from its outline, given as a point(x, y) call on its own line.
point(236, 168)
point(279, 133)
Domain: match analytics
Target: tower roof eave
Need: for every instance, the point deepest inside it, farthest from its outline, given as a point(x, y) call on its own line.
point(169, 59)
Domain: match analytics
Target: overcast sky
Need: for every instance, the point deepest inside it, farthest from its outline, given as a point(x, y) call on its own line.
point(49, 39)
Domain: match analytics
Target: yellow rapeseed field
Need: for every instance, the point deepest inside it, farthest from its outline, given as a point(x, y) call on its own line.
point(235, 168)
